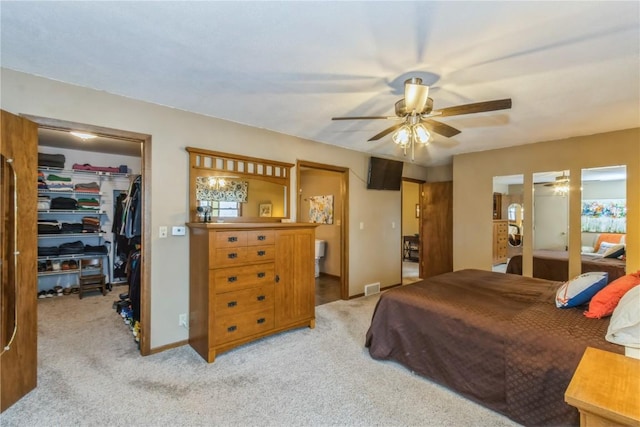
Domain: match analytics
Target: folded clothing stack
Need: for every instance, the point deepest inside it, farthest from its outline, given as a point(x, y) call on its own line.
point(59, 183)
point(90, 224)
point(89, 187)
point(48, 251)
point(72, 248)
point(72, 227)
point(49, 227)
point(42, 182)
point(51, 160)
point(64, 203)
point(95, 250)
point(88, 204)
point(44, 203)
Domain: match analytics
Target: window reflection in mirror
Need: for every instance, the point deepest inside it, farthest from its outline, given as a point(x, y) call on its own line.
point(604, 209)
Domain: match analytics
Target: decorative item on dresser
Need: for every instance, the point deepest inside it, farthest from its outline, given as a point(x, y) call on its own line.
point(500, 238)
point(248, 281)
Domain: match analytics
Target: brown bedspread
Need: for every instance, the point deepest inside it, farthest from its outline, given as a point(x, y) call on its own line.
point(554, 265)
point(496, 338)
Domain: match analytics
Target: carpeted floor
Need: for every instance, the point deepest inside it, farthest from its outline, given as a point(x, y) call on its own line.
point(90, 373)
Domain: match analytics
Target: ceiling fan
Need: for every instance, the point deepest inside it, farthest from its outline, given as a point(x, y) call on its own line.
point(415, 112)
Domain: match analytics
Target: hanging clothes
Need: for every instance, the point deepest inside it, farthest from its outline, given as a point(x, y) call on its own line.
point(132, 214)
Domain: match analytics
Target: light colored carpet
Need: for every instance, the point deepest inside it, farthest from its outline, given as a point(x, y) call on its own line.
point(90, 373)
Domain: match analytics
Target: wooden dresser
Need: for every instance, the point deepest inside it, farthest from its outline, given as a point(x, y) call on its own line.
point(606, 389)
point(248, 281)
point(500, 239)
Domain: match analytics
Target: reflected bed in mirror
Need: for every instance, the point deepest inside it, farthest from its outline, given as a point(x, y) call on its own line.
point(230, 188)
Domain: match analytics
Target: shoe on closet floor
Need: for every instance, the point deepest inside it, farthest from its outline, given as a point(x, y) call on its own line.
point(51, 293)
point(42, 294)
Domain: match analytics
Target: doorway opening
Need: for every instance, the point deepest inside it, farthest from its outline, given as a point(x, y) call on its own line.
point(127, 142)
point(410, 229)
point(327, 186)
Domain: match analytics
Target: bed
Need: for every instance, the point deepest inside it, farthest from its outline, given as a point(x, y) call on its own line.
point(554, 265)
point(495, 338)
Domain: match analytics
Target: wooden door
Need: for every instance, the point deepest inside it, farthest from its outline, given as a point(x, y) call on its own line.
point(295, 282)
point(18, 200)
point(436, 234)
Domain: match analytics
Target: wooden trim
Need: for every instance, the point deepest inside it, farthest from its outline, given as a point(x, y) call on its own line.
point(162, 348)
point(344, 227)
point(145, 272)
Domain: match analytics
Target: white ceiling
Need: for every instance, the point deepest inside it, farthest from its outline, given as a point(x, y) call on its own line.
point(571, 68)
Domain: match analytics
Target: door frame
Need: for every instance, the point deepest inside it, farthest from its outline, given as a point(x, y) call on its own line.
point(145, 267)
point(420, 182)
point(344, 223)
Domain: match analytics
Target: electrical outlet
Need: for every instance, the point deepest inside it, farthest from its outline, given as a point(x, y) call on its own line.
point(182, 320)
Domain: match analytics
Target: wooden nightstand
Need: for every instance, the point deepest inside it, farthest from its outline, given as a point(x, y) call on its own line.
point(606, 389)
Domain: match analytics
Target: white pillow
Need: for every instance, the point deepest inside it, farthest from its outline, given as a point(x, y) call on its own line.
point(624, 327)
point(614, 251)
point(605, 246)
point(580, 289)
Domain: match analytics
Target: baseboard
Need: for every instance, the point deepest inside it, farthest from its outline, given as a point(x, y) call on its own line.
point(381, 289)
point(162, 348)
point(330, 276)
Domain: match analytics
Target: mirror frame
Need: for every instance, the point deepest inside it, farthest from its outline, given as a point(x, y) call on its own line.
point(211, 163)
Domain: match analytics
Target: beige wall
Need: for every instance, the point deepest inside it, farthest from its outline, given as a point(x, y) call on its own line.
point(410, 197)
point(472, 187)
point(373, 248)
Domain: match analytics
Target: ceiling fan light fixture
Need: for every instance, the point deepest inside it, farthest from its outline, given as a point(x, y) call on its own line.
point(421, 134)
point(416, 95)
point(402, 136)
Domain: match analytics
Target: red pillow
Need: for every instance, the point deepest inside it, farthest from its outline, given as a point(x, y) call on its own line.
point(605, 301)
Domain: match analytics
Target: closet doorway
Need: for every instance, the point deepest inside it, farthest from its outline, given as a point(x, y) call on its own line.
point(411, 231)
point(116, 142)
point(326, 187)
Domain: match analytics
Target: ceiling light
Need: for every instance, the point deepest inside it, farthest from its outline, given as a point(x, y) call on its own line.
point(402, 136)
point(561, 185)
point(83, 136)
point(408, 135)
point(421, 134)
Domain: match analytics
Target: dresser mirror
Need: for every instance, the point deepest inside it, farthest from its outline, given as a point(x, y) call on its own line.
point(225, 187)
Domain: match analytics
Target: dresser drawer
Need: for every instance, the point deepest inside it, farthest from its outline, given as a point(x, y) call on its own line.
point(235, 327)
point(232, 303)
point(261, 237)
point(230, 239)
point(261, 253)
point(237, 278)
point(223, 257)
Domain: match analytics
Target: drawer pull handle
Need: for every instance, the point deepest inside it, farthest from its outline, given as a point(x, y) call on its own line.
point(232, 279)
point(261, 320)
point(232, 255)
point(232, 328)
point(261, 237)
point(261, 275)
point(261, 297)
point(232, 239)
point(261, 253)
point(232, 303)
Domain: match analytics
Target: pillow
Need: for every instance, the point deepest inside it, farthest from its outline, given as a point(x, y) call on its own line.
point(604, 247)
point(614, 251)
point(608, 237)
point(624, 327)
point(580, 289)
point(605, 301)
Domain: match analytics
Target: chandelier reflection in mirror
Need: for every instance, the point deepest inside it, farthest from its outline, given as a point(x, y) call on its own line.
point(561, 185)
point(410, 134)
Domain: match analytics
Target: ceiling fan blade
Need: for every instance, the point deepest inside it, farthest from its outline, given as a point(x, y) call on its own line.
point(415, 95)
point(478, 107)
point(386, 132)
point(441, 128)
point(364, 118)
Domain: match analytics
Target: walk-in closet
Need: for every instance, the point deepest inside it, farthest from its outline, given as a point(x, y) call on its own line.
point(90, 223)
